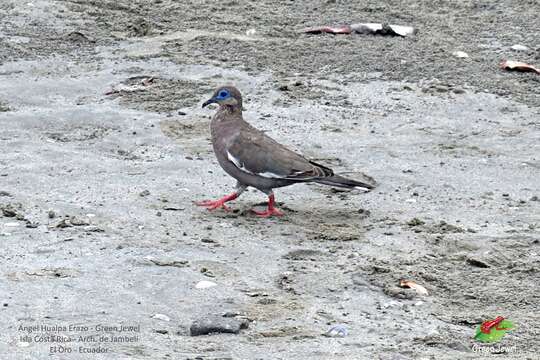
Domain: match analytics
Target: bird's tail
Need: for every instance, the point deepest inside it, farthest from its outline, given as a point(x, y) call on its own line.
point(340, 181)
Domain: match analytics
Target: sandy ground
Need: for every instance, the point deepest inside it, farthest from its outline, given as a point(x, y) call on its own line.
point(104, 147)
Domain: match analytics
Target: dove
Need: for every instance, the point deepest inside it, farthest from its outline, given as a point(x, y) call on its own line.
point(256, 160)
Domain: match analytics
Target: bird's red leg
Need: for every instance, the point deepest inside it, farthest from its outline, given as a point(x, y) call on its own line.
point(220, 203)
point(271, 211)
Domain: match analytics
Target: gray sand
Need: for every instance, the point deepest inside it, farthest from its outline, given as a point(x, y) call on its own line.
point(104, 147)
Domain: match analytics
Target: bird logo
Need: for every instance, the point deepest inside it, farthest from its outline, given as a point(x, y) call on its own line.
point(491, 331)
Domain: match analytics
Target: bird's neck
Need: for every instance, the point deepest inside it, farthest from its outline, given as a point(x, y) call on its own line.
point(230, 110)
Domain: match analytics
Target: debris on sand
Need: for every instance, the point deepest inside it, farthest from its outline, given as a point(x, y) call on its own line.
point(136, 83)
point(70, 222)
point(167, 262)
point(12, 210)
point(411, 284)
point(364, 28)
point(415, 222)
point(79, 37)
point(216, 324)
point(345, 29)
point(518, 66)
point(337, 331)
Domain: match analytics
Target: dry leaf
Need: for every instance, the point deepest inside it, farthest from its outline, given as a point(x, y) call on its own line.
point(411, 284)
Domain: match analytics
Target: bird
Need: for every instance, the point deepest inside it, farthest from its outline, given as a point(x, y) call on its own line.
point(256, 160)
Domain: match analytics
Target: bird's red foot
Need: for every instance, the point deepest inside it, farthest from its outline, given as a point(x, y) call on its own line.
point(271, 211)
point(268, 212)
point(217, 204)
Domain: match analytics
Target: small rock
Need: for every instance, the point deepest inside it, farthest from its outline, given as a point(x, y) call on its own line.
point(460, 54)
point(216, 324)
point(205, 284)
point(162, 331)
point(9, 211)
point(337, 331)
point(64, 223)
point(5, 193)
point(519, 47)
point(231, 314)
point(76, 221)
point(415, 222)
point(144, 193)
point(161, 317)
point(283, 87)
point(167, 262)
point(93, 228)
point(477, 263)
point(266, 301)
point(78, 37)
point(51, 214)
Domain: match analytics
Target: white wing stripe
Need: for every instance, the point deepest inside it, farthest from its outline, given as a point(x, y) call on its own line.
point(239, 165)
point(270, 175)
point(233, 160)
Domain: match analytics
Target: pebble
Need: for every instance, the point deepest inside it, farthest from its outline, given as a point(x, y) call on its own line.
point(337, 331)
point(217, 324)
point(205, 284)
point(161, 317)
point(460, 54)
point(144, 193)
point(93, 228)
point(519, 47)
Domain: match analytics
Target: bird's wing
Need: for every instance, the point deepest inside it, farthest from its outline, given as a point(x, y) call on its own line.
point(255, 153)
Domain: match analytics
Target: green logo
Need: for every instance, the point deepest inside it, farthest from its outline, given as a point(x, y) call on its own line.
point(491, 331)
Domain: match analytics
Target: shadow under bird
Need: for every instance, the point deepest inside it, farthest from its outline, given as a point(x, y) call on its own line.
point(254, 159)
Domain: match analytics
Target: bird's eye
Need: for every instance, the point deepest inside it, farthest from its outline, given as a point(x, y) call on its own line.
point(223, 94)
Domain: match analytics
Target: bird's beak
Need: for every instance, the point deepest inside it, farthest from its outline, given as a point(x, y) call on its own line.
point(208, 102)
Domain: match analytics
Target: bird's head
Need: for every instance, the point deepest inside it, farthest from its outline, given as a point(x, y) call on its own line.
point(226, 96)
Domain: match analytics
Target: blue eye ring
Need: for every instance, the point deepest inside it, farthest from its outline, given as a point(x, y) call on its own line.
point(223, 94)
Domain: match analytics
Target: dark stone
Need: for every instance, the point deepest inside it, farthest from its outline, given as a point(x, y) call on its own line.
point(217, 324)
point(477, 263)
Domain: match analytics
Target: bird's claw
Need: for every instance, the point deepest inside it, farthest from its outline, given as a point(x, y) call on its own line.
point(268, 212)
point(212, 205)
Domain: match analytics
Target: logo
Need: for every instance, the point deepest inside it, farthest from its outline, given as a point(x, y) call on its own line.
point(492, 331)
